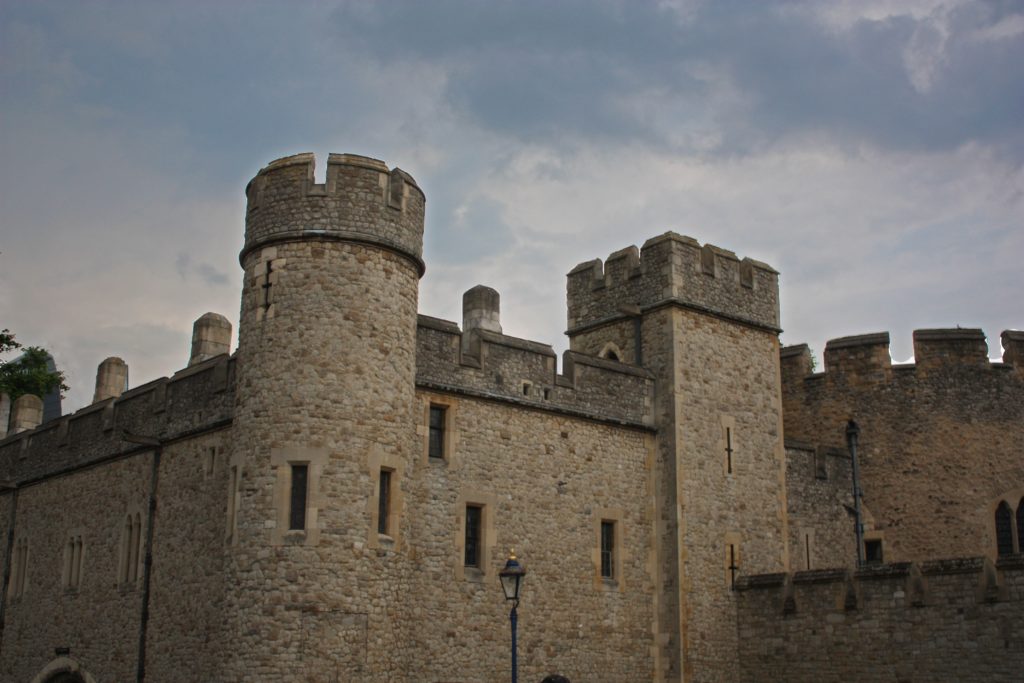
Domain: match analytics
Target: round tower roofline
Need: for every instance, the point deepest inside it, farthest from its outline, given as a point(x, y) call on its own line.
point(361, 201)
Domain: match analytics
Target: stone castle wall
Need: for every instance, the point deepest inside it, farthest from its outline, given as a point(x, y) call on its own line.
point(665, 420)
point(819, 494)
point(939, 439)
point(546, 480)
point(946, 620)
point(76, 477)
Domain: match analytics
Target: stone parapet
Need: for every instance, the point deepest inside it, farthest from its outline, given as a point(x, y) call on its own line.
point(192, 400)
point(360, 201)
point(672, 268)
point(941, 620)
point(525, 372)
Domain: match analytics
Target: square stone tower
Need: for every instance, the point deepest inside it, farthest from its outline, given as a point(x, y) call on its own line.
point(705, 323)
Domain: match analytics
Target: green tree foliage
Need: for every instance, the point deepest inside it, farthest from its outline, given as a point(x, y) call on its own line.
point(29, 374)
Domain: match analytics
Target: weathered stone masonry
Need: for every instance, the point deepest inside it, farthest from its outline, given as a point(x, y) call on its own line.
point(153, 535)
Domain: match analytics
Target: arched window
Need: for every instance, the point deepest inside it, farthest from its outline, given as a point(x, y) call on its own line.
point(1004, 529)
point(610, 351)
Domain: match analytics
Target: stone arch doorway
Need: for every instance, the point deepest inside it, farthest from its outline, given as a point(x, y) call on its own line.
point(65, 677)
point(63, 670)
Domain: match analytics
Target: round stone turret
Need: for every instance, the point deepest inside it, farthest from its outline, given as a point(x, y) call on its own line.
point(325, 405)
point(361, 201)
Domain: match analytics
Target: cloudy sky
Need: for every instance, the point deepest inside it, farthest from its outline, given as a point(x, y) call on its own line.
point(870, 150)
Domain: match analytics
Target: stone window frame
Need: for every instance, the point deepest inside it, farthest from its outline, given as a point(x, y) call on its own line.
point(376, 462)
point(488, 504)
point(807, 543)
point(874, 537)
point(1014, 500)
point(727, 440)
point(617, 516)
point(451, 439)
point(210, 458)
point(609, 349)
point(281, 461)
point(73, 561)
point(260, 278)
point(732, 557)
point(19, 569)
point(130, 557)
point(62, 664)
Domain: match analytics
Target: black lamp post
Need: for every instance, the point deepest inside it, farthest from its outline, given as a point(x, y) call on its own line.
point(511, 582)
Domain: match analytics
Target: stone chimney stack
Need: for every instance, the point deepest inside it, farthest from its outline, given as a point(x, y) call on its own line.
point(111, 379)
point(27, 413)
point(481, 310)
point(211, 336)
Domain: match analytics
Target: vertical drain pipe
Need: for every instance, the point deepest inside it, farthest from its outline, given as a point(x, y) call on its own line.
point(147, 569)
point(852, 432)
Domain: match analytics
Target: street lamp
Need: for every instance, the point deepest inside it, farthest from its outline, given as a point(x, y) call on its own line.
point(511, 582)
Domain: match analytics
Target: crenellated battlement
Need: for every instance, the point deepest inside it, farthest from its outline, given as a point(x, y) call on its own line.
point(864, 359)
point(361, 200)
point(673, 268)
point(952, 620)
point(195, 399)
point(899, 584)
point(491, 365)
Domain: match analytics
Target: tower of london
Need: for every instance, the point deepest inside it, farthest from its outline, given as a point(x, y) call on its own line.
point(334, 499)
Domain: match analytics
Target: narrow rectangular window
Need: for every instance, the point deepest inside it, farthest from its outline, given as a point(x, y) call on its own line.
point(20, 573)
point(232, 493)
point(607, 550)
point(384, 502)
point(136, 541)
point(297, 511)
point(474, 518)
point(437, 417)
point(873, 551)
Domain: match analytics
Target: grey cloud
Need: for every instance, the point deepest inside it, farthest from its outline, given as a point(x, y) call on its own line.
point(206, 272)
point(562, 70)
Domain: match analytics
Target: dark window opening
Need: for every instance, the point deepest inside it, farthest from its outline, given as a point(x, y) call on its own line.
point(267, 284)
point(613, 356)
point(807, 548)
point(873, 551)
point(384, 502)
point(728, 450)
point(608, 550)
point(474, 517)
point(1020, 526)
point(1004, 530)
point(297, 516)
point(436, 447)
